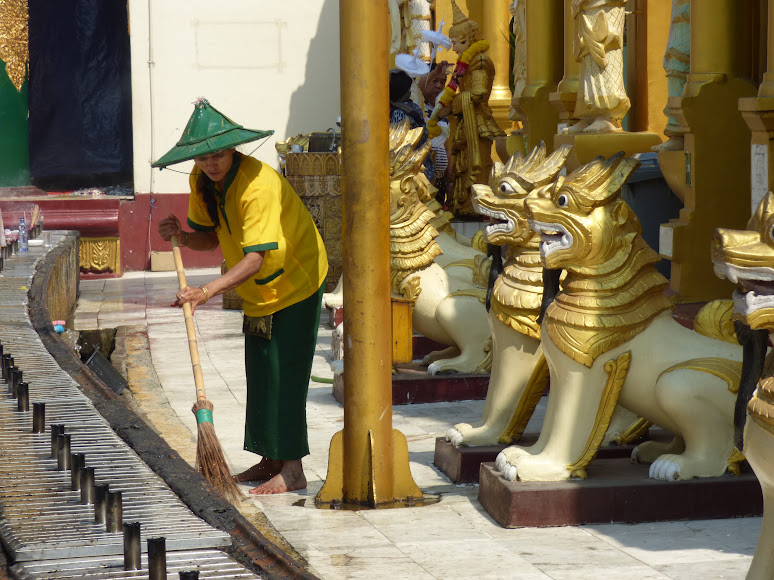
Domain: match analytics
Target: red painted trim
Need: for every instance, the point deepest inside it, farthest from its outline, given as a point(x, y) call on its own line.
point(135, 217)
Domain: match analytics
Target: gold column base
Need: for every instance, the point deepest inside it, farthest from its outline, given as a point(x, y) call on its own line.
point(405, 490)
point(100, 255)
point(588, 146)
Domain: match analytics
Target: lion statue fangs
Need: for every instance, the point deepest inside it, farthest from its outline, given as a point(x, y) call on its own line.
point(746, 258)
point(621, 346)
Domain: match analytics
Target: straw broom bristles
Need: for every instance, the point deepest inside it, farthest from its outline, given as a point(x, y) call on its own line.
point(210, 459)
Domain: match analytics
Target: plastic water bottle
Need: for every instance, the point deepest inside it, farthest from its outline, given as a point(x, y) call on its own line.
point(23, 236)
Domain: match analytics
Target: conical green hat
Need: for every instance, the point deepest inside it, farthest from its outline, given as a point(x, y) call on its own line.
point(208, 131)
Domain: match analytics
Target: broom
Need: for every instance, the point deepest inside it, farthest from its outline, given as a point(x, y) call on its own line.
point(210, 459)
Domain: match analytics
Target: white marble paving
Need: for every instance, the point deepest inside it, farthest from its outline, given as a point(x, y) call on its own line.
point(452, 539)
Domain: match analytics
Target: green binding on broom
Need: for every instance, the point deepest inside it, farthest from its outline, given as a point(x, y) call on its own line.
point(203, 416)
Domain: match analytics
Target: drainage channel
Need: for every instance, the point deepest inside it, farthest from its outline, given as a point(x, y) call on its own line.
point(75, 500)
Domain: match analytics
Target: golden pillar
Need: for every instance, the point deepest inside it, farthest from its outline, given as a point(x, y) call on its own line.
point(648, 32)
point(714, 175)
point(368, 461)
point(545, 55)
point(758, 113)
point(564, 97)
point(494, 27)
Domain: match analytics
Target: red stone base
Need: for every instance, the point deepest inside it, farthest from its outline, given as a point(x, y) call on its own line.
point(462, 464)
point(411, 385)
point(616, 491)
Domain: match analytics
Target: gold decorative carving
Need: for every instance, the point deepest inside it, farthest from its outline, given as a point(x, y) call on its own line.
point(634, 432)
point(612, 290)
point(728, 370)
point(412, 237)
point(100, 255)
point(14, 39)
point(734, 462)
point(316, 178)
point(486, 365)
point(616, 375)
point(518, 292)
point(537, 384)
point(410, 289)
point(715, 320)
point(479, 293)
point(462, 264)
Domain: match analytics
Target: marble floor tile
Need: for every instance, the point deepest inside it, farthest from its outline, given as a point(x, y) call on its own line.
point(662, 543)
point(595, 572)
point(714, 570)
point(462, 560)
point(365, 563)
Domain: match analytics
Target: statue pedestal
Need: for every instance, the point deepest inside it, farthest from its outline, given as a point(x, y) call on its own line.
point(411, 384)
point(616, 491)
point(462, 464)
point(587, 146)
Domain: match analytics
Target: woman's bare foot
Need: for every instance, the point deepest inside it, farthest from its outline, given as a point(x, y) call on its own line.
point(290, 478)
point(263, 471)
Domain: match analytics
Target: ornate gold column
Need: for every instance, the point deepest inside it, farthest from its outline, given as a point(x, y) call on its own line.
point(545, 54)
point(564, 97)
point(494, 27)
point(715, 175)
point(368, 462)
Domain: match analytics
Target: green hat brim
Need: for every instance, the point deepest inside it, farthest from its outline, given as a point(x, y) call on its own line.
point(227, 140)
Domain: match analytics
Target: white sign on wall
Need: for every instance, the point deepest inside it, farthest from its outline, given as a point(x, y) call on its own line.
point(665, 236)
point(759, 178)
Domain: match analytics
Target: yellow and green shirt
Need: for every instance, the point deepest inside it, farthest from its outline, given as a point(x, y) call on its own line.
point(260, 211)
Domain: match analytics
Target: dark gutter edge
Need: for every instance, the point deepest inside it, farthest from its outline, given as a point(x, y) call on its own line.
point(249, 546)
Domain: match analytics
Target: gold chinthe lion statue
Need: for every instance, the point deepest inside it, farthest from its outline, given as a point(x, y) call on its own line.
point(747, 258)
point(519, 371)
point(609, 339)
point(448, 299)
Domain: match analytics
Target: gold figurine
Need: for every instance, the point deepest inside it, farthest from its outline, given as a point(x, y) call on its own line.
point(601, 100)
point(466, 97)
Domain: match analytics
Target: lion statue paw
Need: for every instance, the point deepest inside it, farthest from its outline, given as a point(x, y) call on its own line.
point(454, 437)
point(665, 468)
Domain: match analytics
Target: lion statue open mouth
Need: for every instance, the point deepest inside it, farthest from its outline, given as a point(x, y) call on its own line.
point(610, 340)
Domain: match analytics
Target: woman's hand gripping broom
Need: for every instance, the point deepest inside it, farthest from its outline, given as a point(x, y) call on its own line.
point(210, 459)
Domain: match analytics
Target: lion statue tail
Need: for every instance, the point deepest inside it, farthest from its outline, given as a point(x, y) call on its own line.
point(714, 320)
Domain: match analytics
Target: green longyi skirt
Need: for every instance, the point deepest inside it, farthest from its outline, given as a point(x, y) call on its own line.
point(278, 372)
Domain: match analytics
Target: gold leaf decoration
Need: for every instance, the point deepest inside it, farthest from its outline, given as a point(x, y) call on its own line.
point(14, 39)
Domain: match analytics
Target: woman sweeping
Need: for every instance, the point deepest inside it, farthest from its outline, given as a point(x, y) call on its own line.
point(277, 263)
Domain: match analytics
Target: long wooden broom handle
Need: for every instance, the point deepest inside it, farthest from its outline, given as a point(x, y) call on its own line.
point(189, 323)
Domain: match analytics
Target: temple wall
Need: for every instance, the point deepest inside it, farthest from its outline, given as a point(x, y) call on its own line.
point(267, 65)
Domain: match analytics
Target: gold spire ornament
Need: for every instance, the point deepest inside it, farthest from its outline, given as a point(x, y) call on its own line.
point(459, 15)
point(14, 40)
